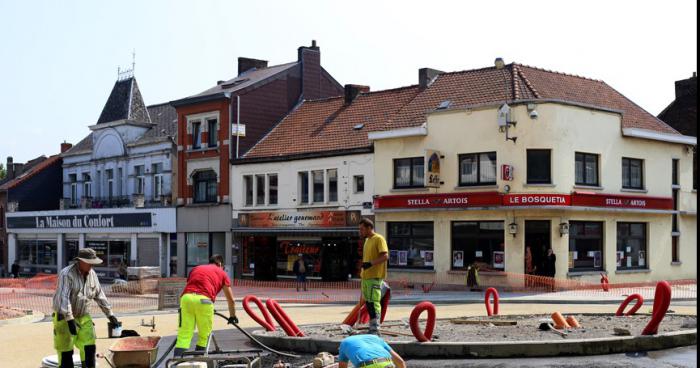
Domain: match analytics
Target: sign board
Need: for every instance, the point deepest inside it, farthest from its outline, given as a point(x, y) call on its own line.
point(238, 130)
point(450, 200)
point(169, 292)
point(431, 166)
point(507, 172)
point(621, 201)
point(88, 221)
point(536, 200)
point(300, 219)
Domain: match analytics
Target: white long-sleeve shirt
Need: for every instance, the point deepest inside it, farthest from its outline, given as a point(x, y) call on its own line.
point(74, 293)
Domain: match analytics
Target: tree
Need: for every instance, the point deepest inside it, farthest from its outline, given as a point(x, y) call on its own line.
point(3, 172)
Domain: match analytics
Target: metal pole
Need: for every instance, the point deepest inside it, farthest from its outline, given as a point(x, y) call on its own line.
point(238, 122)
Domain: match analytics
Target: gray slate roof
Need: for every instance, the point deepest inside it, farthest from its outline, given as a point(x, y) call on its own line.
point(124, 102)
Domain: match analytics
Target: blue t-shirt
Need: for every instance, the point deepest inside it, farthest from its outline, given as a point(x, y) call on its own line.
point(361, 348)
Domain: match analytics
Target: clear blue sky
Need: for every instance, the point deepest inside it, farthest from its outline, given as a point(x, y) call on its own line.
point(60, 58)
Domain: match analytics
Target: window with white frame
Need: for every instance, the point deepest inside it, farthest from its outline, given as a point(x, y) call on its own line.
point(120, 182)
point(73, 178)
point(318, 186)
point(139, 179)
point(110, 182)
point(87, 185)
point(477, 169)
point(359, 183)
point(272, 188)
point(332, 185)
point(260, 190)
point(157, 170)
point(304, 187)
point(248, 190)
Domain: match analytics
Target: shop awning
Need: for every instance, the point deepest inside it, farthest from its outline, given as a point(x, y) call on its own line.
point(331, 231)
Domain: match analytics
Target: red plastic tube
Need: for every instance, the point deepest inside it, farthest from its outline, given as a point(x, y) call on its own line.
point(352, 317)
point(385, 304)
point(487, 296)
point(662, 300)
point(604, 282)
point(430, 325)
point(289, 327)
point(633, 310)
point(266, 323)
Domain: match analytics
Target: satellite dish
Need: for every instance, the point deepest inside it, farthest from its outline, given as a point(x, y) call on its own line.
point(504, 116)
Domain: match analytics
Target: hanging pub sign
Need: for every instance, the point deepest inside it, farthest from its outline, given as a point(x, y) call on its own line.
point(432, 168)
point(91, 221)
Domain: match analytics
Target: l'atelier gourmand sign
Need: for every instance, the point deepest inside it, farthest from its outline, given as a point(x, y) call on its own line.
point(92, 221)
point(300, 219)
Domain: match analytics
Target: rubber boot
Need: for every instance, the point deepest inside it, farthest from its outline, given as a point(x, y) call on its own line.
point(90, 351)
point(199, 348)
point(66, 359)
point(373, 327)
point(179, 352)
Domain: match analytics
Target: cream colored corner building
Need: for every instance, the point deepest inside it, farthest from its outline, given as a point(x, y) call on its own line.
point(565, 129)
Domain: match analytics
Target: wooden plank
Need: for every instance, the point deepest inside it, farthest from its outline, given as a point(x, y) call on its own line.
point(484, 322)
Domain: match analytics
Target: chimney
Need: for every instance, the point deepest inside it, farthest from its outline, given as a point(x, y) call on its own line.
point(687, 87)
point(499, 63)
point(17, 170)
point(310, 59)
point(426, 75)
point(10, 167)
point(245, 64)
point(65, 146)
point(352, 90)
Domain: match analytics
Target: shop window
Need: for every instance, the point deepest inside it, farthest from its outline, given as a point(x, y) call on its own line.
point(585, 246)
point(587, 169)
point(197, 249)
point(272, 188)
point(317, 177)
point(332, 185)
point(248, 189)
point(259, 190)
point(408, 172)
point(359, 183)
point(411, 245)
point(632, 173)
point(196, 135)
point(205, 187)
point(288, 252)
point(478, 243)
point(140, 179)
point(304, 187)
point(631, 245)
point(539, 166)
point(37, 252)
point(477, 169)
point(211, 133)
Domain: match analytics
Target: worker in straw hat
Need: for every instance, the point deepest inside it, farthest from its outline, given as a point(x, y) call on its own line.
point(72, 324)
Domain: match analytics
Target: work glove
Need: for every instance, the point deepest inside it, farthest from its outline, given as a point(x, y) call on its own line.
point(72, 327)
point(366, 265)
point(113, 320)
point(233, 320)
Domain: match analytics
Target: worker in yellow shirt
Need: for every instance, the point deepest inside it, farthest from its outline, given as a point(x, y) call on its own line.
point(375, 254)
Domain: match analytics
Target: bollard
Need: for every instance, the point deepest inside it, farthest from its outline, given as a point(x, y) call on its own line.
point(423, 336)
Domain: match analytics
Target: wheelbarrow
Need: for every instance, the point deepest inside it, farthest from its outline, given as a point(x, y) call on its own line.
point(134, 352)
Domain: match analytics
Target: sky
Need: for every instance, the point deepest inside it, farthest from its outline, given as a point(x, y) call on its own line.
point(60, 58)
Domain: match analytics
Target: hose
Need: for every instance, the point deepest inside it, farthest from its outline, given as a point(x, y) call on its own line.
point(257, 341)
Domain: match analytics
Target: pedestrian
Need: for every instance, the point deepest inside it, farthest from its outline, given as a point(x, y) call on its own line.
point(550, 267)
point(375, 254)
point(72, 324)
point(473, 277)
point(14, 270)
point(300, 271)
point(197, 303)
point(368, 351)
point(123, 270)
point(529, 267)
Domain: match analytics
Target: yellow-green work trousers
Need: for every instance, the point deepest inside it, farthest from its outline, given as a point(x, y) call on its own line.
point(196, 310)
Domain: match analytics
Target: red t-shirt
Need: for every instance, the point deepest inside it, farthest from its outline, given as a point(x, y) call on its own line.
point(207, 280)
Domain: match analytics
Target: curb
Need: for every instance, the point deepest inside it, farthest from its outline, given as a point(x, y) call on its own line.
point(29, 318)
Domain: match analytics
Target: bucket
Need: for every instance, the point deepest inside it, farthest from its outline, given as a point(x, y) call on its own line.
point(114, 330)
point(51, 361)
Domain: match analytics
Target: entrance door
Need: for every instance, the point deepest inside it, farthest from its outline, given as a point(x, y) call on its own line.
point(264, 249)
point(538, 236)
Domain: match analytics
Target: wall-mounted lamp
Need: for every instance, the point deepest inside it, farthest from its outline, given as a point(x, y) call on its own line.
point(512, 228)
point(563, 228)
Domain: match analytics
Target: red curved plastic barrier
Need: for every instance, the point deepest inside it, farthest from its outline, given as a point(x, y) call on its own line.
point(351, 319)
point(633, 310)
point(385, 304)
point(662, 300)
point(359, 312)
point(430, 325)
point(604, 281)
point(487, 296)
point(289, 327)
point(267, 323)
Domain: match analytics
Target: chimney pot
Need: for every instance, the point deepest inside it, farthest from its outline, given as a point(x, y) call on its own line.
point(352, 90)
point(499, 63)
point(65, 146)
point(426, 75)
point(313, 43)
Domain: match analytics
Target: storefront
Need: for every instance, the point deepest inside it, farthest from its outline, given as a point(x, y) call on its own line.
point(271, 242)
point(46, 241)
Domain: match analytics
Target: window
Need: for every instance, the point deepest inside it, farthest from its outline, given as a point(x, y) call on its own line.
point(539, 166)
point(587, 169)
point(675, 172)
point(205, 187)
point(110, 182)
point(478, 242)
point(477, 169)
point(211, 133)
point(304, 186)
point(359, 183)
point(73, 188)
point(675, 257)
point(408, 172)
point(140, 180)
point(259, 190)
point(318, 186)
point(87, 185)
point(632, 173)
point(632, 245)
point(196, 135)
point(248, 189)
point(120, 181)
point(585, 246)
point(272, 191)
point(332, 185)
point(411, 245)
point(157, 180)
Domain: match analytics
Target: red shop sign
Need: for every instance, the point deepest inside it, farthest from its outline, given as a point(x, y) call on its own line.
point(449, 200)
point(544, 199)
point(621, 201)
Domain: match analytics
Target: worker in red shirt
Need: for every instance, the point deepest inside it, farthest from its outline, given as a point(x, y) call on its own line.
point(197, 303)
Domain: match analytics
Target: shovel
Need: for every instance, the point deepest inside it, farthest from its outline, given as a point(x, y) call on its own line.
point(544, 326)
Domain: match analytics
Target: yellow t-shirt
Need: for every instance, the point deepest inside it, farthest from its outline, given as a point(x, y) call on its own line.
point(374, 246)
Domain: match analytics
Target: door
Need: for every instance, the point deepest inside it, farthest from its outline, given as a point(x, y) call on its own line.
point(538, 237)
point(264, 249)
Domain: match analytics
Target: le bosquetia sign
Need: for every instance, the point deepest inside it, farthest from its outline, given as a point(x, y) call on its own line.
point(93, 221)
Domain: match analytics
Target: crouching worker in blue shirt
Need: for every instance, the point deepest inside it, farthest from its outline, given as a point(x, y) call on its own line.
point(368, 351)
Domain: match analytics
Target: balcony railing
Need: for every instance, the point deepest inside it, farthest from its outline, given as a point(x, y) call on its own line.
point(136, 200)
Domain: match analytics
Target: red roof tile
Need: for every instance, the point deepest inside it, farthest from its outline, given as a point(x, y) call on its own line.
point(31, 172)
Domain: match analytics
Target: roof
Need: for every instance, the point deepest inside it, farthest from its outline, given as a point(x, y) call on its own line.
point(124, 103)
point(682, 113)
point(330, 125)
point(28, 173)
point(162, 115)
point(520, 82)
